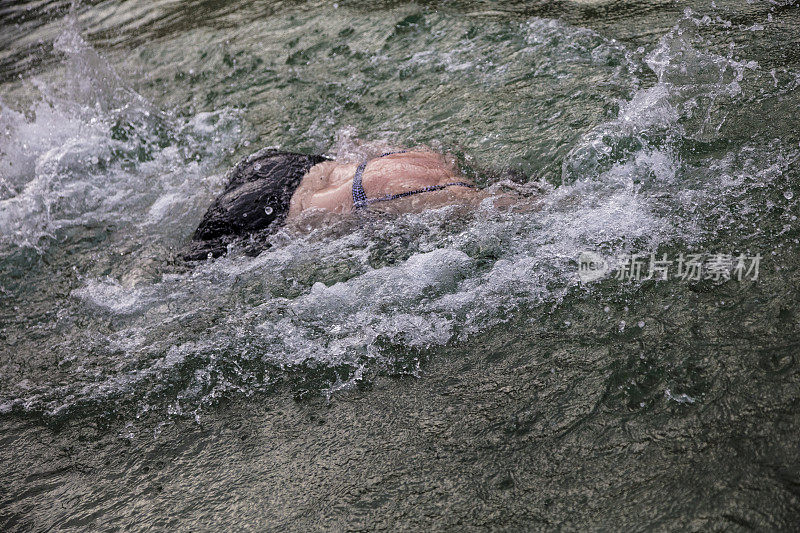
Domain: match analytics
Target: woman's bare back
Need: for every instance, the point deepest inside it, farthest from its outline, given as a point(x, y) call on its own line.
point(329, 185)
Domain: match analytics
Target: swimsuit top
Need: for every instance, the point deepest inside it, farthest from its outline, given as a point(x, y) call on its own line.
point(360, 197)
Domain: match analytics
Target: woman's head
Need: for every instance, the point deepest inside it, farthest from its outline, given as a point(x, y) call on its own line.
point(255, 200)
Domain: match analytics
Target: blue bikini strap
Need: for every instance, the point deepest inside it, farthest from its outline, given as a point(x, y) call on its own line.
point(359, 196)
point(429, 188)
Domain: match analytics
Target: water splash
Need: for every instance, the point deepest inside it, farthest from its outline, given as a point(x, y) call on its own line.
point(337, 304)
point(91, 151)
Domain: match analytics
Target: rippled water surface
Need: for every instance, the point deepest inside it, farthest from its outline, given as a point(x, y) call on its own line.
point(430, 371)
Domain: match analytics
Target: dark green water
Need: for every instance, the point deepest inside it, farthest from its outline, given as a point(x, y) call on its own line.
point(439, 371)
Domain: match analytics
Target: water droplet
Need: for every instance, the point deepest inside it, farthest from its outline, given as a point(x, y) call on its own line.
point(788, 195)
point(268, 210)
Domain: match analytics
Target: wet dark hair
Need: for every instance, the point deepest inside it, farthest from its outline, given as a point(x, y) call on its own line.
point(255, 201)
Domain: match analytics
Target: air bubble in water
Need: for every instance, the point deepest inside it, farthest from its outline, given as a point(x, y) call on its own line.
point(788, 195)
point(268, 210)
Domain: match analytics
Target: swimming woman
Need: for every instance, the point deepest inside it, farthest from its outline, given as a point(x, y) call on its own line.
point(271, 188)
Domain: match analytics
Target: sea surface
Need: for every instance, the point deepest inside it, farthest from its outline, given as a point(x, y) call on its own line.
point(440, 371)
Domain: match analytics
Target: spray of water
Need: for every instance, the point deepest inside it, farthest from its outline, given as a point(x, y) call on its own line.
point(340, 303)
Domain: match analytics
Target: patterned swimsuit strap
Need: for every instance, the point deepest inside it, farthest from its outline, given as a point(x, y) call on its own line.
point(360, 197)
